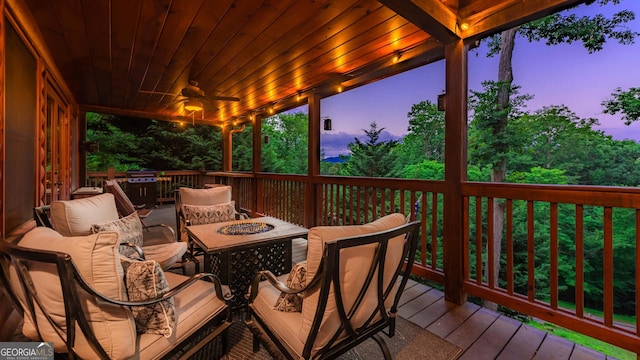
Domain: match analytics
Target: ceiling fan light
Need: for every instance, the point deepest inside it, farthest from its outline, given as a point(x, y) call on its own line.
point(192, 106)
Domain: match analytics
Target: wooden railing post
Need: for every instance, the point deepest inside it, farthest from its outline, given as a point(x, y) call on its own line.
point(455, 169)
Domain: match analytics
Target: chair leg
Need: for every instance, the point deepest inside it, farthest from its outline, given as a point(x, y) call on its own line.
point(383, 347)
point(256, 343)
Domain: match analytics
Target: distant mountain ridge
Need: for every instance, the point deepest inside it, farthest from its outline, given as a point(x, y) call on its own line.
point(333, 159)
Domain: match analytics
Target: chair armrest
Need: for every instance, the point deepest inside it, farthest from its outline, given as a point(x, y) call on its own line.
point(167, 230)
point(135, 247)
point(172, 292)
point(275, 282)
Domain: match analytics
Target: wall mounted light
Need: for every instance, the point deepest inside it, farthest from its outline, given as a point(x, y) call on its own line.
point(441, 102)
point(396, 57)
point(192, 106)
point(272, 109)
point(464, 26)
point(299, 96)
point(327, 124)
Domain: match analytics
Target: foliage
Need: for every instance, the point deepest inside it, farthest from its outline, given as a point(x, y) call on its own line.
point(486, 146)
point(286, 151)
point(626, 103)
point(592, 32)
point(372, 158)
point(242, 147)
point(425, 138)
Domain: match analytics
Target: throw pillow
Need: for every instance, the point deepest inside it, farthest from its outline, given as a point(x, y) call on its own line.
point(145, 280)
point(129, 229)
point(297, 280)
point(209, 214)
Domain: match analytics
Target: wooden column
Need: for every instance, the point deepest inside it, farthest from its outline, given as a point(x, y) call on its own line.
point(313, 201)
point(257, 163)
point(455, 168)
point(227, 148)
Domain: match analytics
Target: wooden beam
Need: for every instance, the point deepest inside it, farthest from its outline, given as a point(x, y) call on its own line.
point(484, 23)
point(146, 115)
point(432, 16)
point(455, 172)
point(426, 53)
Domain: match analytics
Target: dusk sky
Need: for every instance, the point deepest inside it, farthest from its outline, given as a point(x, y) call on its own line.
point(554, 75)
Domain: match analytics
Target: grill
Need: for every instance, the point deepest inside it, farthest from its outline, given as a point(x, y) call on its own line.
point(141, 187)
point(141, 176)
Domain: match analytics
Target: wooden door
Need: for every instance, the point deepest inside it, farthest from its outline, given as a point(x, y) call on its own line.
point(57, 149)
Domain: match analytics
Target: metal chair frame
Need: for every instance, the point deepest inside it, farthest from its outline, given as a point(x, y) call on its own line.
point(328, 276)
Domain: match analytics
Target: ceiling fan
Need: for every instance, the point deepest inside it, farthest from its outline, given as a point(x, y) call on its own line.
point(193, 96)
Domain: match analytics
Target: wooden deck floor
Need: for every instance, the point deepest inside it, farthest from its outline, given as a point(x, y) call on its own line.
point(480, 333)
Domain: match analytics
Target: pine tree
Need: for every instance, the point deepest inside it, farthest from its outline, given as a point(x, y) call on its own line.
point(373, 158)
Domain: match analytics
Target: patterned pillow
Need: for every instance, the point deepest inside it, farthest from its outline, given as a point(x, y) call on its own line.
point(297, 280)
point(145, 280)
point(129, 229)
point(209, 214)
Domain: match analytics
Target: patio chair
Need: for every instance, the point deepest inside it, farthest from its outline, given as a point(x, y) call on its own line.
point(204, 206)
point(123, 203)
point(98, 213)
point(80, 295)
point(353, 281)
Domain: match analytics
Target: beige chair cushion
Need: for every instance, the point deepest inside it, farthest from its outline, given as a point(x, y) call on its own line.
point(354, 264)
point(165, 254)
point(75, 217)
point(96, 258)
point(145, 280)
point(196, 305)
point(212, 196)
point(129, 229)
point(209, 214)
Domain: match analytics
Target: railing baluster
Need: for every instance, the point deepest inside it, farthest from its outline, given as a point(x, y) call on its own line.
point(509, 233)
point(478, 240)
point(579, 294)
point(553, 255)
point(531, 261)
point(491, 246)
point(608, 267)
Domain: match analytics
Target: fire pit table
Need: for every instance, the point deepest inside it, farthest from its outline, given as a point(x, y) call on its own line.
point(236, 250)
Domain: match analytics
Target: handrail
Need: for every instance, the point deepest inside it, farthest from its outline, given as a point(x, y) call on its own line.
point(541, 213)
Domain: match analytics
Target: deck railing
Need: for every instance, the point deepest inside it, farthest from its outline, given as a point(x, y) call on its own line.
point(574, 233)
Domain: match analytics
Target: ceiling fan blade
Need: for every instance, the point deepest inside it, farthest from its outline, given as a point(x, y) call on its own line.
point(223, 98)
point(157, 93)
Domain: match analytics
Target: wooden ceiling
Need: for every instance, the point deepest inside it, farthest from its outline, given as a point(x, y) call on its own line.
point(114, 53)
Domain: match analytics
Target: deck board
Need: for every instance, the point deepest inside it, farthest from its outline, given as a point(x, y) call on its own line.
point(472, 328)
point(490, 344)
point(523, 344)
point(554, 347)
point(479, 332)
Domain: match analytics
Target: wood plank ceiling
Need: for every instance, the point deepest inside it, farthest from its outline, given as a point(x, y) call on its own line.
point(135, 57)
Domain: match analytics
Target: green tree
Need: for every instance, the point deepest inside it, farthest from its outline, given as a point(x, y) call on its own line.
point(117, 148)
point(558, 28)
point(425, 137)
point(373, 158)
point(242, 159)
point(626, 103)
point(286, 151)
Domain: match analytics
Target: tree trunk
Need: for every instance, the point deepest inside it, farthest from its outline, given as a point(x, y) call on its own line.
point(505, 77)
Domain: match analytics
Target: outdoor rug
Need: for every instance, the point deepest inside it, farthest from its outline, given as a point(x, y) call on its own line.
point(409, 342)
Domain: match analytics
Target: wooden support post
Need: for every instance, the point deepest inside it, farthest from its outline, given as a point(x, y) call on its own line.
point(227, 148)
point(312, 202)
point(455, 168)
point(257, 164)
